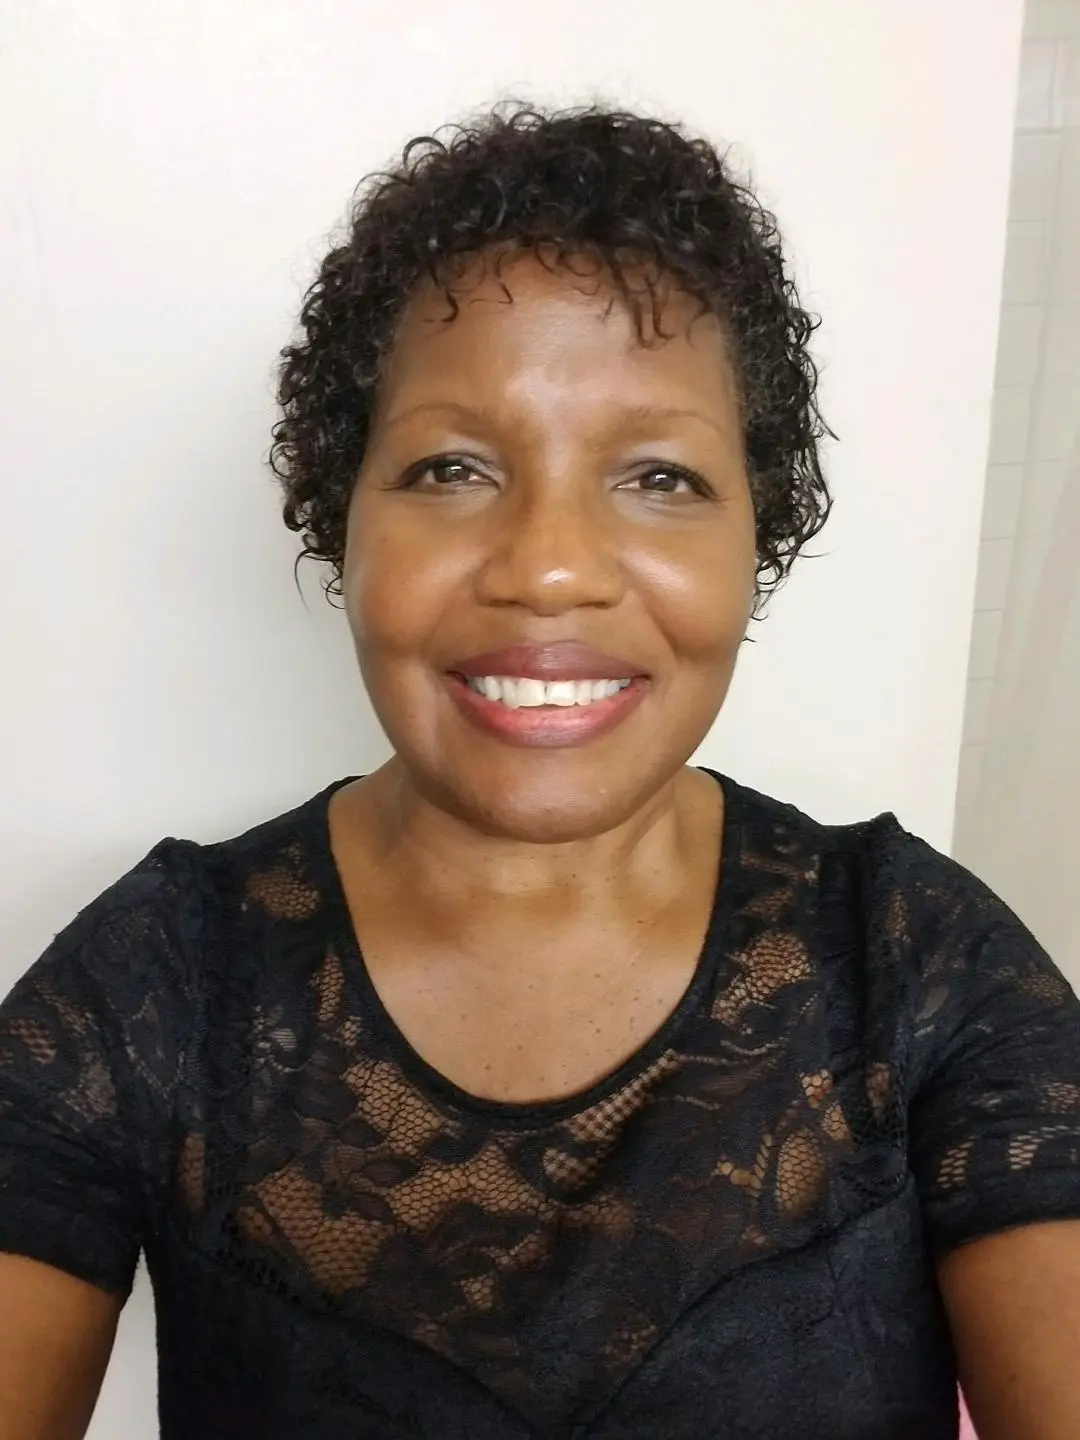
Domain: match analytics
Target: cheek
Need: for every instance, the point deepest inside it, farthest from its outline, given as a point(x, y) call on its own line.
point(375, 587)
point(398, 581)
point(701, 598)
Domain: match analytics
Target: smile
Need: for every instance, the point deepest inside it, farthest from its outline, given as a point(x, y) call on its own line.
point(522, 711)
point(523, 692)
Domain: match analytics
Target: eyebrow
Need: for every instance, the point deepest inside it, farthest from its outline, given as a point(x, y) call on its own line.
point(467, 412)
point(646, 413)
point(640, 414)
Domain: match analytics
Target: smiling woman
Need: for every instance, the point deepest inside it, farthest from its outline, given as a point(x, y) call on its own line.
point(539, 1084)
point(580, 511)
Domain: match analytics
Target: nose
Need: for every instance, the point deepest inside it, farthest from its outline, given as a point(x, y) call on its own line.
point(552, 550)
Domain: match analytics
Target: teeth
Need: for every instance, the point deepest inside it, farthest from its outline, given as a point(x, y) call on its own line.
point(520, 692)
point(561, 692)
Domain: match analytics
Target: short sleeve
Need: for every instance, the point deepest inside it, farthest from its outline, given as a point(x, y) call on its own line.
point(994, 1110)
point(91, 1043)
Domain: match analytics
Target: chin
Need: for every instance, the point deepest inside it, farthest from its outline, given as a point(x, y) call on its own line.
point(544, 807)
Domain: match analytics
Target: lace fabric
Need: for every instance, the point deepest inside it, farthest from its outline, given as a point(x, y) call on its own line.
point(734, 1234)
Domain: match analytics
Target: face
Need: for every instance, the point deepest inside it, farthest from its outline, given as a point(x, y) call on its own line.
point(550, 558)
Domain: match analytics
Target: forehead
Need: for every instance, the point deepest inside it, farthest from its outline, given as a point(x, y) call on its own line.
point(517, 326)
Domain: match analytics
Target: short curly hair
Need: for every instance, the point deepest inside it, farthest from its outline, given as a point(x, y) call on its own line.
point(634, 194)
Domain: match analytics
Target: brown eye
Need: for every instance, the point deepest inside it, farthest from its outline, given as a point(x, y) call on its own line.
point(662, 480)
point(441, 472)
point(450, 472)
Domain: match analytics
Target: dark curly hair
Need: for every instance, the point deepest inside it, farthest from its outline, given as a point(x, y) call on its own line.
point(636, 196)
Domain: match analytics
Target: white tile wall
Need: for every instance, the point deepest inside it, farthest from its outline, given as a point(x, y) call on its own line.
point(1052, 19)
point(977, 713)
point(1072, 82)
point(985, 639)
point(1061, 358)
point(1056, 417)
point(1043, 68)
point(1002, 503)
point(1035, 171)
point(1066, 212)
point(1027, 262)
point(1019, 344)
point(1045, 481)
point(992, 586)
point(971, 761)
point(1036, 419)
point(1009, 425)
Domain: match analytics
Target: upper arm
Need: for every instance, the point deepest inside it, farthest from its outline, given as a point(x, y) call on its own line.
point(91, 1042)
point(994, 1138)
point(1013, 1301)
point(54, 1345)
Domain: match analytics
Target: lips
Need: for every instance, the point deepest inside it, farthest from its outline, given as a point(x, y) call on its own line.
point(564, 660)
point(511, 706)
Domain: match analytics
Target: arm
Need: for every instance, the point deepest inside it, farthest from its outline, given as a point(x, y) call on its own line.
point(994, 1141)
point(1013, 1301)
point(54, 1346)
point(91, 1045)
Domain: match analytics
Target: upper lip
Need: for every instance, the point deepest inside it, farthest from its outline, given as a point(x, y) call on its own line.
point(562, 660)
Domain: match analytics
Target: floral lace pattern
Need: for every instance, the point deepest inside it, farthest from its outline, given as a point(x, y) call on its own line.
point(874, 1062)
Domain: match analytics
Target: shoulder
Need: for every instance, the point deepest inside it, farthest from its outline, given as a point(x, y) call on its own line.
point(907, 936)
point(902, 888)
point(923, 959)
point(291, 843)
point(158, 923)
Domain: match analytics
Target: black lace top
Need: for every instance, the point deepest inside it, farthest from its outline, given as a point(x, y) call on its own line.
point(733, 1235)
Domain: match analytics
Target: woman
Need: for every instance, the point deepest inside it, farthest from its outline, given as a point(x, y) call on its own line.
point(538, 1084)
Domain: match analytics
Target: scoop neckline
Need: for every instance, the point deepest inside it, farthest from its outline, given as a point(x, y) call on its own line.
point(434, 1084)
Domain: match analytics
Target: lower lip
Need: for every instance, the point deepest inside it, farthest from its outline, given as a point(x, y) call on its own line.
point(548, 727)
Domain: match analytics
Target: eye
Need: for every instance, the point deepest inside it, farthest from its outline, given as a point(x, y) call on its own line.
point(442, 473)
point(449, 472)
point(662, 480)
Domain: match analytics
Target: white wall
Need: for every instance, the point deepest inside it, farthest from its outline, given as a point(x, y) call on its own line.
point(168, 170)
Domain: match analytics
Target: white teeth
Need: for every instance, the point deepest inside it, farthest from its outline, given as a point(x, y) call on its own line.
point(520, 692)
point(561, 692)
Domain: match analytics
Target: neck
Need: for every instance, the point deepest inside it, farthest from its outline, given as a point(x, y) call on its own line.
point(411, 835)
